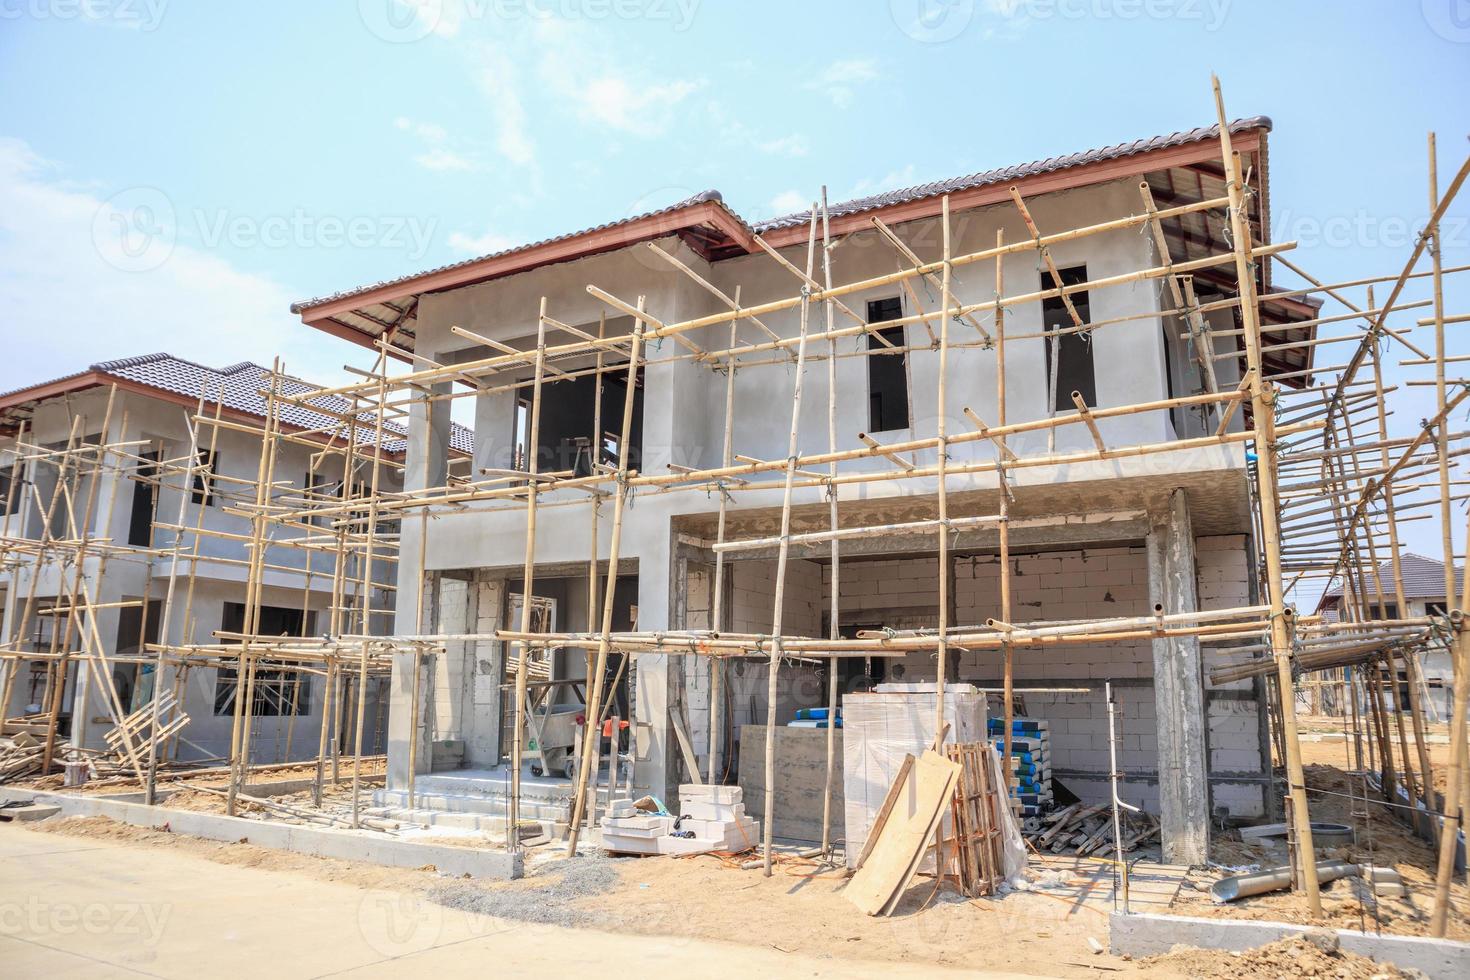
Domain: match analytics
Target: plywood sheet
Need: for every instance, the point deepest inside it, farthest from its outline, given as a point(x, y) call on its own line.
point(905, 835)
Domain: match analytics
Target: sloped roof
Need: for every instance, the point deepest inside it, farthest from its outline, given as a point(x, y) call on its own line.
point(237, 387)
point(365, 313)
point(1010, 174)
point(1423, 578)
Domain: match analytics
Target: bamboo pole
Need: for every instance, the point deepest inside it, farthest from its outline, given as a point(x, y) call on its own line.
point(1263, 424)
point(717, 600)
point(834, 602)
point(782, 555)
point(942, 493)
point(1007, 650)
point(528, 578)
point(604, 638)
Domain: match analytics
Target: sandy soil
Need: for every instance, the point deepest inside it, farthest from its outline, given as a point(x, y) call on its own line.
point(1381, 839)
point(1287, 958)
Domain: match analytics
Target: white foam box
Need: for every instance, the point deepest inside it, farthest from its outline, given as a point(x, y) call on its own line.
point(649, 826)
point(701, 793)
point(736, 837)
point(631, 845)
point(712, 811)
point(880, 728)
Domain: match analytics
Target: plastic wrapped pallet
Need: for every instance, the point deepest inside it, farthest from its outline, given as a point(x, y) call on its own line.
point(880, 728)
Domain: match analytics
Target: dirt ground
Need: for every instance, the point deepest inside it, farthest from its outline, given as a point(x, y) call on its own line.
point(1286, 958)
point(1380, 839)
point(800, 909)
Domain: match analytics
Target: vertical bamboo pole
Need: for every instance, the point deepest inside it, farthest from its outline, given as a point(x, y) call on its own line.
point(717, 600)
point(166, 615)
point(834, 605)
point(604, 639)
point(11, 666)
point(594, 501)
point(783, 552)
point(1007, 649)
point(942, 466)
point(1456, 783)
point(271, 444)
point(1411, 659)
point(528, 578)
point(365, 593)
point(78, 583)
point(1264, 422)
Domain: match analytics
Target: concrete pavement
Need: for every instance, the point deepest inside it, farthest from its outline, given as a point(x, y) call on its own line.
point(78, 907)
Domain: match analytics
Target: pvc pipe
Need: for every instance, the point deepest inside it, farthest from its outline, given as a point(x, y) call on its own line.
point(1274, 879)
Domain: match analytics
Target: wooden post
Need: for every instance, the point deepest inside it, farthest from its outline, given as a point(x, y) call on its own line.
point(1263, 422)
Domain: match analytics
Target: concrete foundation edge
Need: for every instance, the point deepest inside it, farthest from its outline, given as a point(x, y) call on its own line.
point(314, 841)
point(1150, 935)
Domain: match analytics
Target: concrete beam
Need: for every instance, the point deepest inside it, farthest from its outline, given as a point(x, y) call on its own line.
point(1184, 793)
point(1151, 935)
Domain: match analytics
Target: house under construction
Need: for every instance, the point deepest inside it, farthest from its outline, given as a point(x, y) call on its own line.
point(1035, 430)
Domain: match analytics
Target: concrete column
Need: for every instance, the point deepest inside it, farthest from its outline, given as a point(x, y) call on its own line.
point(1184, 794)
point(426, 465)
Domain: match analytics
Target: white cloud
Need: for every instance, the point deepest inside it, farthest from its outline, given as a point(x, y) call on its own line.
point(892, 180)
point(499, 82)
point(789, 201)
point(69, 304)
point(793, 145)
point(437, 154)
point(838, 79)
point(440, 159)
point(484, 244)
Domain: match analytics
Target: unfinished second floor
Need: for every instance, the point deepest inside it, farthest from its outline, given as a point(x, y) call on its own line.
point(1119, 336)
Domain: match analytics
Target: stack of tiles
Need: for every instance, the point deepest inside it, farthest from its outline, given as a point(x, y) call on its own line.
point(715, 815)
point(712, 818)
point(1030, 762)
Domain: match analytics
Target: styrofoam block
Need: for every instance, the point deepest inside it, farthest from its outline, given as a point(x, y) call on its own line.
point(700, 793)
point(712, 811)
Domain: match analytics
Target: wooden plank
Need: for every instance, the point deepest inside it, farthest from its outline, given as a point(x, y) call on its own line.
point(883, 811)
point(904, 837)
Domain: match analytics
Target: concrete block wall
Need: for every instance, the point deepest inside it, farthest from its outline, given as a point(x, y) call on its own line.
point(1234, 710)
point(1092, 583)
point(751, 601)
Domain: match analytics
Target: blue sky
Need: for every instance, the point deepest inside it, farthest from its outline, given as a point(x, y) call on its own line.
point(284, 150)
